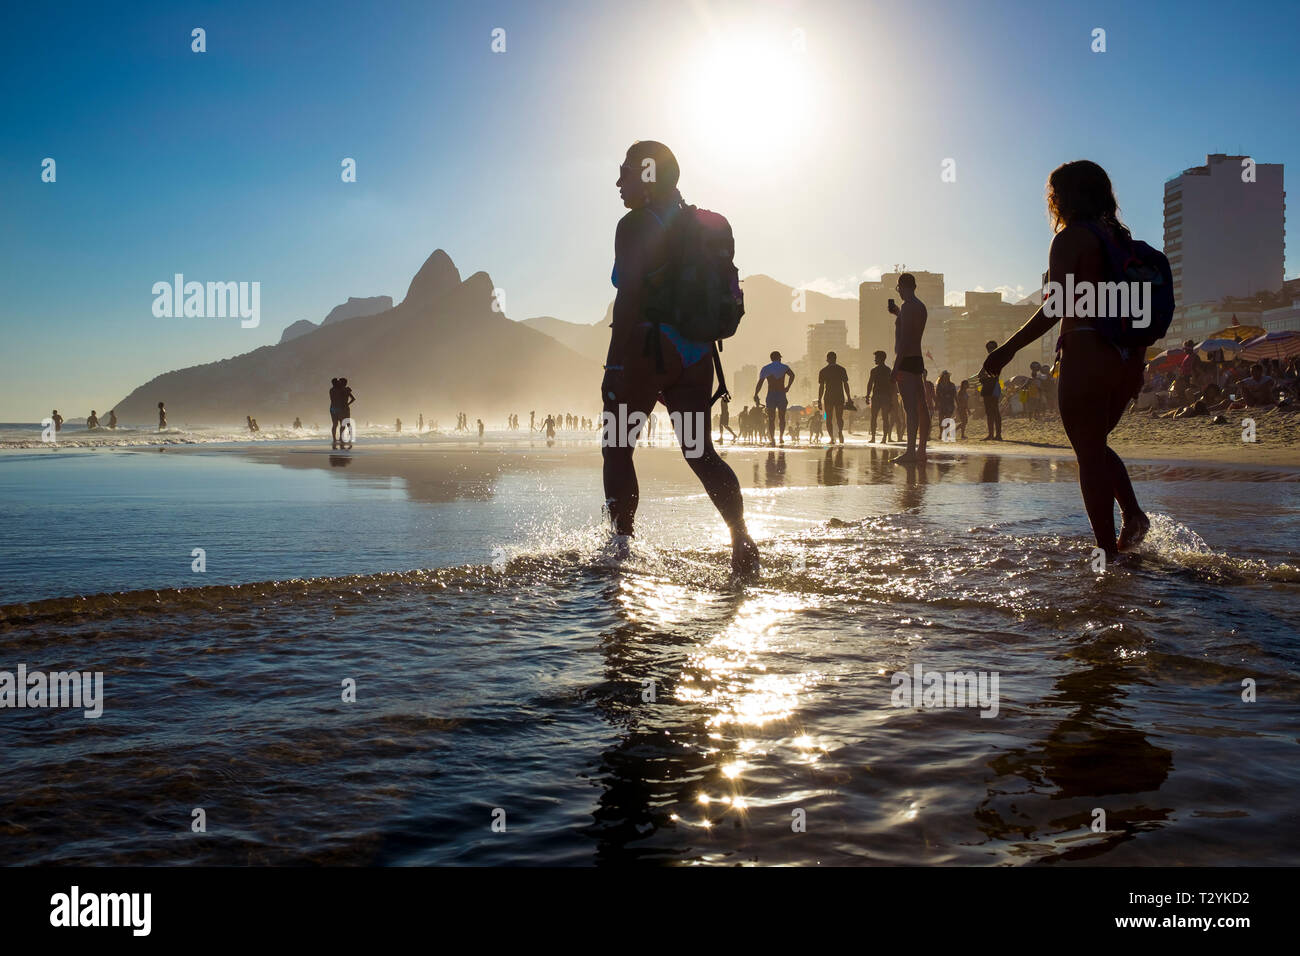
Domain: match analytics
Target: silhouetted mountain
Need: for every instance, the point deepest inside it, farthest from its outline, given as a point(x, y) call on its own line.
point(442, 350)
point(351, 309)
point(589, 340)
point(294, 330)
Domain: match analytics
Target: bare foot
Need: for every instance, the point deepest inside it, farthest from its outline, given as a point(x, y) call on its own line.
point(1132, 531)
point(744, 558)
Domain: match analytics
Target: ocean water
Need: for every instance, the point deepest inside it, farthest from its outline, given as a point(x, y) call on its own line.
point(510, 671)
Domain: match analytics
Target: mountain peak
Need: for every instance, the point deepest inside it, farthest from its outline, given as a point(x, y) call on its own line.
point(436, 277)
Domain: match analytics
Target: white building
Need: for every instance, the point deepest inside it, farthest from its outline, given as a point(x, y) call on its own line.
point(1224, 234)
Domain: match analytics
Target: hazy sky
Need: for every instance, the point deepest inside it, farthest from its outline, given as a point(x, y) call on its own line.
point(823, 147)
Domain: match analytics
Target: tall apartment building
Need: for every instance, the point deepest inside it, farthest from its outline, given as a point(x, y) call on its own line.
point(985, 316)
point(832, 335)
point(875, 324)
point(1224, 235)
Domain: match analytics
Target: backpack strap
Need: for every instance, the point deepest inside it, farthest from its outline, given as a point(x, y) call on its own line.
point(722, 392)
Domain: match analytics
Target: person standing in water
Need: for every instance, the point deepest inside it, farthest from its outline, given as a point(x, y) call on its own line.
point(724, 418)
point(991, 394)
point(774, 373)
point(832, 394)
point(880, 393)
point(162, 416)
point(1098, 379)
point(909, 366)
point(644, 365)
point(92, 420)
point(58, 421)
point(480, 427)
point(112, 418)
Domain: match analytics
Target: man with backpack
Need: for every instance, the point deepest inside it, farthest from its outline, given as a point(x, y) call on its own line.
point(677, 293)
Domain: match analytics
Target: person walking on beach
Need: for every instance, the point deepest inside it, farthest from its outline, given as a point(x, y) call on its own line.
point(654, 360)
point(774, 373)
point(832, 394)
point(162, 416)
point(991, 393)
point(909, 366)
point(1098, 378)
point(880, 395)
point(724, 417)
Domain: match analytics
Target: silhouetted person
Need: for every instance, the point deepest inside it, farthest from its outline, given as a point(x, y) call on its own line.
point(58, 420)
point(297, 423)
point(945, 398)
point(397, 426)
point(480, 427)
point(724, 416)
point(963, 408)
point(832, 394)
point(641, 367)
point(92, 420)
point(881, 394)
point(112, 418)
point(162, 416)
point(419, 423)
point(991, 393)
point(909, 366)
point(1098, 378)
point(775, 373)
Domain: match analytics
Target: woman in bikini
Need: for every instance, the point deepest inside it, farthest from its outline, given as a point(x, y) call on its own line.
point(640, 369)
point(1097, 379)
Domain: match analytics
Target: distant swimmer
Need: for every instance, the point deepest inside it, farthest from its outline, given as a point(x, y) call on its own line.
point(909, 366)
point(112, 418)
point(162, 416)
point(92, 420)
point(832, 395)
point(480, 428)
point(775, 373)
point(1099, 376)
point(651, 359)
point(58, 420)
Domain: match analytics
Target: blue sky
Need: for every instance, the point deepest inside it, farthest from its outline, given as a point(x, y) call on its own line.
point(826, 156)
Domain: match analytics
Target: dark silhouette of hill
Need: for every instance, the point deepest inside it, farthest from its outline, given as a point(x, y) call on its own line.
point(351, 309)
point(442, 350)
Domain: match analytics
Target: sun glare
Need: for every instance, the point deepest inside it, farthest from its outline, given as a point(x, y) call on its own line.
point(748, 97)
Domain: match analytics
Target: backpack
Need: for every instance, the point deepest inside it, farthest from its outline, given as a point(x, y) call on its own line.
point(1136, 262)
point(699, 293)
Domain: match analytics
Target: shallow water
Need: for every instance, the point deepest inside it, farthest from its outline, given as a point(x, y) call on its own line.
point(504, 663)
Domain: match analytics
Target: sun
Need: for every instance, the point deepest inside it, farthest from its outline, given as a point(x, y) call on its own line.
point(747, 97)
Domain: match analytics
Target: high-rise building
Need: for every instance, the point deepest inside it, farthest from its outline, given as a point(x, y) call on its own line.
point(832, 335)
point(1225, 229)
point(984, 317)
point(875, 324)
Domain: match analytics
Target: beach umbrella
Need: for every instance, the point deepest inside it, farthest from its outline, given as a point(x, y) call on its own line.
point(1238, 332)
point(1166, 359)
point(1272, 345)
point(1229, 348)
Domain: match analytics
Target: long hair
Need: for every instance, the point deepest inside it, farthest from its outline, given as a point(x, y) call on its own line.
point(666, 171)
point(1080, 191)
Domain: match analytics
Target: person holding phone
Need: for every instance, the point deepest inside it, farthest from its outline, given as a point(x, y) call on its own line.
point(909, 367)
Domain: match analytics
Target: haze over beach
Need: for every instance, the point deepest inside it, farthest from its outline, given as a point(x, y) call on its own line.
point(668, 434)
